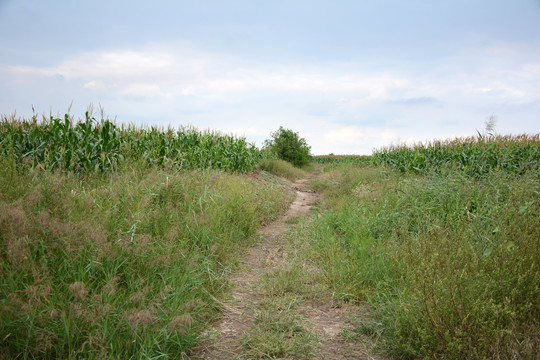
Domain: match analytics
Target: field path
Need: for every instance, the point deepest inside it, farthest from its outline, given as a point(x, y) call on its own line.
point(271, 275)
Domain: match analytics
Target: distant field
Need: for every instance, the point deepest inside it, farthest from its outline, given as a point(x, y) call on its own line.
point(101, 145)
point(475, 156)
point(340, 159)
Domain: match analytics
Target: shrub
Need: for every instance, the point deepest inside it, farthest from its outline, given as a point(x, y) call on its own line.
point(289, 146)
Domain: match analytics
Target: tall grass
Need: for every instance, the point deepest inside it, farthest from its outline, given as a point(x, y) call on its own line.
point(124, 265)
point(282, 168)
point(92, 145)
point(475, 156)
point(448, 260)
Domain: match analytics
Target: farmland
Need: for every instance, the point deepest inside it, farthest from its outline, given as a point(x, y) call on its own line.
point(93, 145)
point(120, 242)
point(473, 156)
point(341, 159)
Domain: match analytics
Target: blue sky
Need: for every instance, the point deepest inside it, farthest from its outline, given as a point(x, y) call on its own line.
point(349, 76)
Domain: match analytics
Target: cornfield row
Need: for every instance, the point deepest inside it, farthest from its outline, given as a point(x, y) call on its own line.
point(475, 156)
point(93, 145)
point(339, 159)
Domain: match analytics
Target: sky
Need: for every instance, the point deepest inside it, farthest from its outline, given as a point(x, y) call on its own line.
point(348, 76)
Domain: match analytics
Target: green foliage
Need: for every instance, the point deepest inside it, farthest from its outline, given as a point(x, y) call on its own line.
point(448, 262)
point(102, 146)
point(124, 265)
point(289, 146)
point(475, 156)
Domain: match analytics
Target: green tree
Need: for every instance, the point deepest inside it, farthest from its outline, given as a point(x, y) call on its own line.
point(289, 146)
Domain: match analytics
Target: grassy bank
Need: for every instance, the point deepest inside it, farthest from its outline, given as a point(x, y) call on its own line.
point(447, 260)
point(120, 265)
point(282, 168)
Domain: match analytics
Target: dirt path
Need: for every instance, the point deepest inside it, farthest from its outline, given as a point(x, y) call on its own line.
point(278, 308)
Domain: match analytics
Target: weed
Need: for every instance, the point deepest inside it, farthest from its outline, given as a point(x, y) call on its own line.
point(447, 260)
point(277, 334)
point(122, 265)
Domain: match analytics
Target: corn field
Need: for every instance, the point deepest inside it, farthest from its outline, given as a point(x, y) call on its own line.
point(475, 156)
point(339, 159)
point(101, 146)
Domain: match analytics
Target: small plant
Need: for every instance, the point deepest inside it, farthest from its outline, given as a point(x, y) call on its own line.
point(490, 123)
point(289, 146)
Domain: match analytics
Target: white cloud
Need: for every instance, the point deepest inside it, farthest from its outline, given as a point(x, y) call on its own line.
point(106, 64)
point(241, 131)
point(182, 70)
point(358, 135)
point(345, 135)
point(93, 84)
point(145, 90)
point(177, 71)
point(338, 107)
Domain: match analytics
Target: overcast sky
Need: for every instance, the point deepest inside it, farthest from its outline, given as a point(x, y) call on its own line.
point(349, 76)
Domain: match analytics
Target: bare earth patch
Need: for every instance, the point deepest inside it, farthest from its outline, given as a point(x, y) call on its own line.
point(318, 321)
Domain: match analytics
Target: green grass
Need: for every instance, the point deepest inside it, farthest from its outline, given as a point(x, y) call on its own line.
point(123, 264)
point(112, 245)
point(278, 333)
point(447, 260)
point(282, 168)
point(337, 182)
point(278, 330)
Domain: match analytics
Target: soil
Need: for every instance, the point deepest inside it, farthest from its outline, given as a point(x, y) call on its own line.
point(323, 316)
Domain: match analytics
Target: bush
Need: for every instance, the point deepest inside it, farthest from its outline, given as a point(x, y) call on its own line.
point(289, 146)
